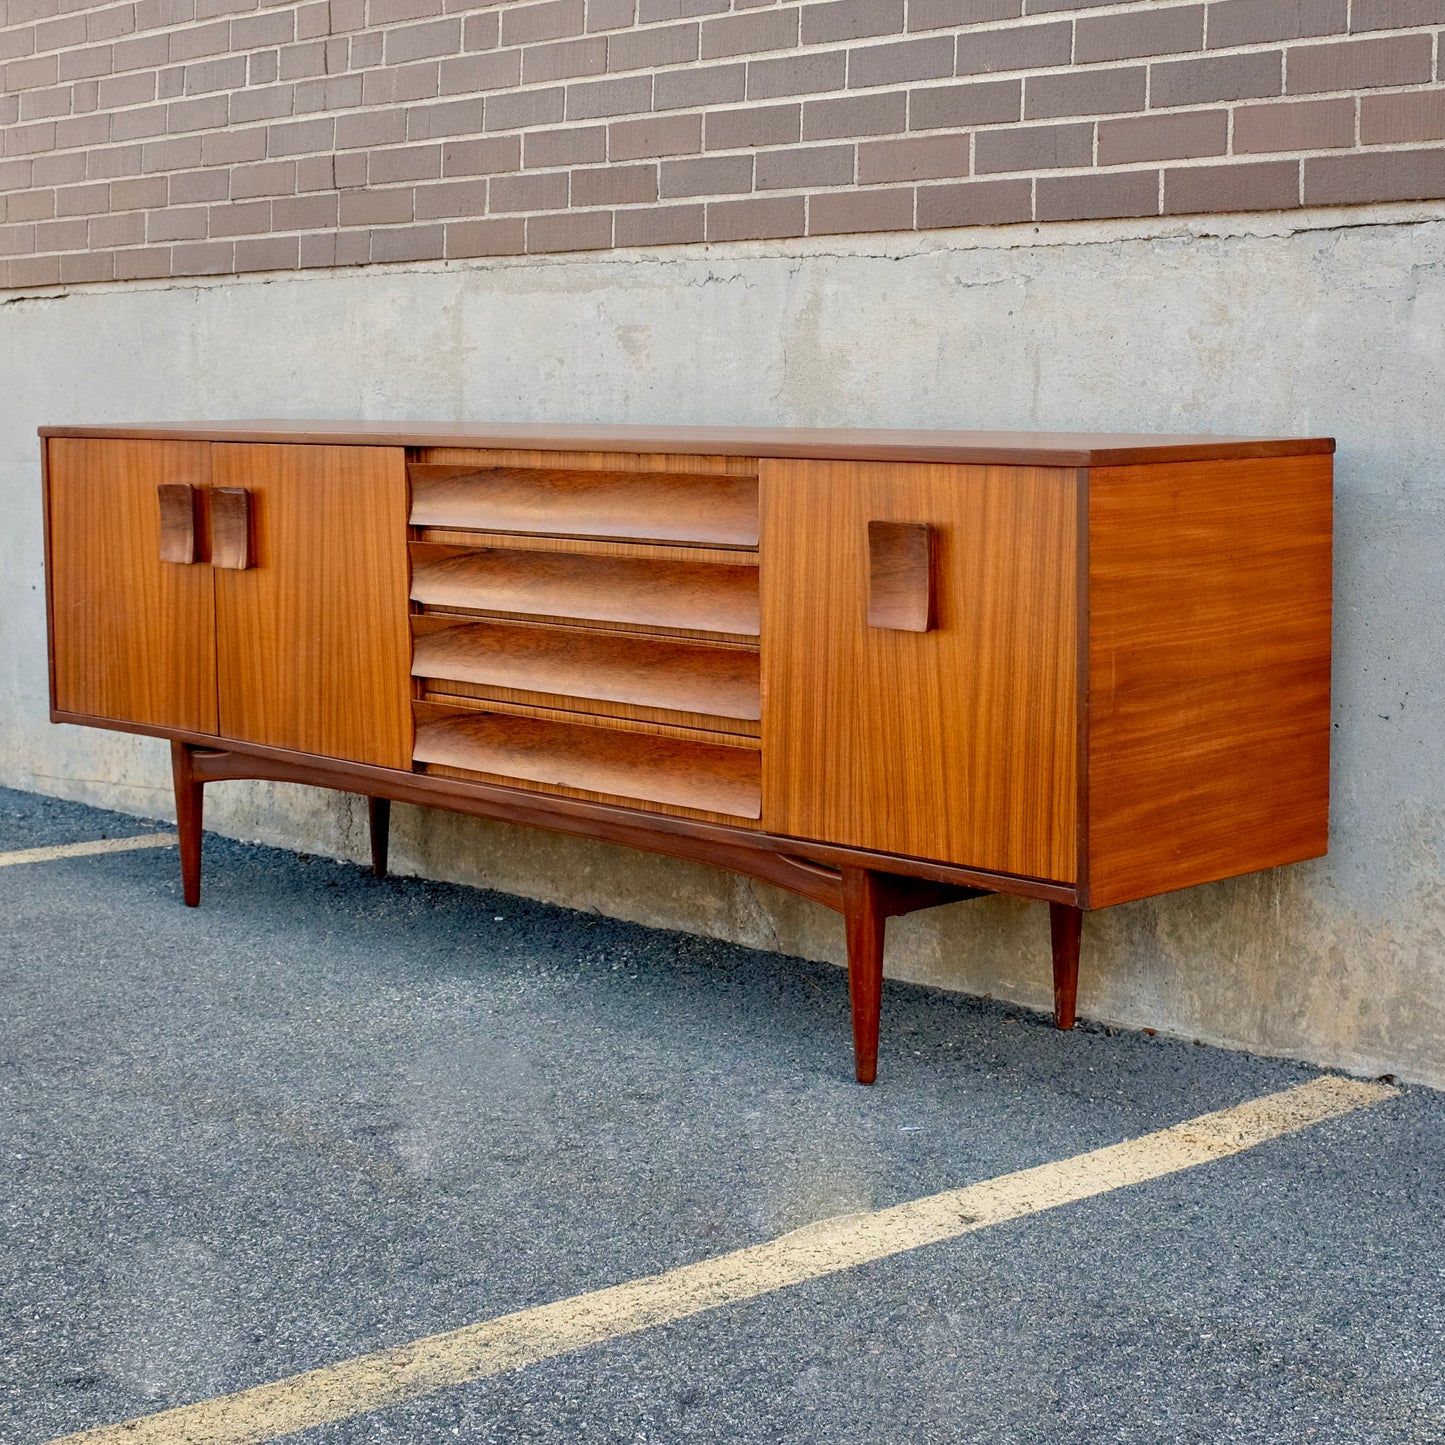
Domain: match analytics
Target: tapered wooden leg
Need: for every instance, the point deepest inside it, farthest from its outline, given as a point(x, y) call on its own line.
point(379, 813)
point(864, 915)
point(188, 822)
point(1066, 927)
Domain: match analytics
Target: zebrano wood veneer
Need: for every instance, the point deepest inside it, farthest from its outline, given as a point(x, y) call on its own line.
point(885, 670)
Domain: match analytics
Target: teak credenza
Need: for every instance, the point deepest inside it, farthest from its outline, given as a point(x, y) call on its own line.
point(885, 670)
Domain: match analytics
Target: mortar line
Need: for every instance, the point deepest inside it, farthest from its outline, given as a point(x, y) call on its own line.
point(513, 1341)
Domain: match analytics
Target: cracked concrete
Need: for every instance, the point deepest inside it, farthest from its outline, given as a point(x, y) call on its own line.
point(1300, 324)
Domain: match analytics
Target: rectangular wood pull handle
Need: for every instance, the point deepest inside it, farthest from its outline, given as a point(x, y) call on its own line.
point(231, 527)
point(900, 575)
point(178, 522)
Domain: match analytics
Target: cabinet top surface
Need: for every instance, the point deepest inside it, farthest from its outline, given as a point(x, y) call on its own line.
point(1070, 449)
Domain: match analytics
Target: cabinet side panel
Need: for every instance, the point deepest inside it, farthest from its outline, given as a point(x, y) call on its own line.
point(1209, 671)
point(314, 639)
point(957, 743)
point(132, 638)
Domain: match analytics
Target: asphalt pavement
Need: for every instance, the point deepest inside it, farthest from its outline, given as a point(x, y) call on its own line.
point(325, 1114)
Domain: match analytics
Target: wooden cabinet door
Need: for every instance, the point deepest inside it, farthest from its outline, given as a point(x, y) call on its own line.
point(957, 743)
point(132, 638)
point(313, 637)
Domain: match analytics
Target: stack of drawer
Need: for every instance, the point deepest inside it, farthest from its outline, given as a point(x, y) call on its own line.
point(588, 625)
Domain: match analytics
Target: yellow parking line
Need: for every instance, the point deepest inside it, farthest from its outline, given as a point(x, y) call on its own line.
point(387, 1377)
point(81, 850)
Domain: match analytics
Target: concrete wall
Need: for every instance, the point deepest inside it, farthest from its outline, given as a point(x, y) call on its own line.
point(1313, 323)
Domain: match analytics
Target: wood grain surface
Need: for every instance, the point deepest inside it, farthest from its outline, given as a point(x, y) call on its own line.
point(132, 637)
point(957, 744)
point(701, 596)
point(605, 761)
point(1209, 672)
point(1047, 449)
point(687, 677)
point(180, 508)
point(900, 575)
point(232, 544)
point(313, 639)
point(644, 506)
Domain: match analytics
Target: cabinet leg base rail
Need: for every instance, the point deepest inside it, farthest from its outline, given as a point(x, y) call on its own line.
point(867, 897)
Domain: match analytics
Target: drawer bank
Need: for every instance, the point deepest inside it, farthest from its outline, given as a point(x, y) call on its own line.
point(885, 670)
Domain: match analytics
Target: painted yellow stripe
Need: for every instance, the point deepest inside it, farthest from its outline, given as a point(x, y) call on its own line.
point(83, 850)
point(370, 1382)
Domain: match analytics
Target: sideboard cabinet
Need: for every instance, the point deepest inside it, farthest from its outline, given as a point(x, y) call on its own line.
point(884, 670)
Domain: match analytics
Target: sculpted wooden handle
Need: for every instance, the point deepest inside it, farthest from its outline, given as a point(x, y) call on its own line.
point(231, 527)
point(900, 575)
point(178, 522)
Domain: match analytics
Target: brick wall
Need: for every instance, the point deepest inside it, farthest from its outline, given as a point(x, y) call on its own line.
point(184, 137)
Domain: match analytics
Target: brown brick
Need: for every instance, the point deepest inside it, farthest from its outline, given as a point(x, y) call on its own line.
point(1349, 180)
point(1142, 32)
point(142, 194)
point(34, 271)
point(42, 104)
point(229, 148)
point(929, 58)
point(121, 90)
point(1216, 77)
point(240, 219)
point(374, 128)
point(376, 207)
point(614, 185)
point(1187, 135)
point(452, 117)
point(299, 61)
point(203, 258)
point(856, 115)
point(1096, 196)
point(1358, 64)
point(302, 137)
point(756, 219)
point(850, 212)
point(479, 32)
point(1034, 148)
point(84, 96)
point(30, 206)
point(1248, 22)
point(795, 75)
point(105, 165)
point(708, 176)
point(610, 14)
point(699, 85)
point(145, 52)
point(451, 199)
point(660, 226)
point(423, 42)
point(88, 200)
point(540, 192)
point(67, 235)
point(663, 135)
point(760, 125)
point(312, 21)
point(305, 213)
point(266, 103)
point(143, 265)
point(349, 170)
point(201, 40)
point(270, 27)
point(83, 266)
point(987, 102)
point(1024, 47)
point(589, 231)
point(591, 100)
point(17, 44)
point(110, 23)
point(272, 178)
point(148, 120)
point(177, 223)
point(268, 253)
point(127, 229)
point(575, 145)
point(32, 74)
point(1085, 92)
point(525, 109)
point(76, 131)
point(486, 238)
point(65, 33)
point(467, 74)
point(408, 243)
point(803, 168)
point(917, 158)
point(395, 12)
point(564, 60)
point(1395, 14)
point(209, 112)
point(750, 34)
point(486, 156)
point(192, 187)
point(1393, 119)
point(1259, 186)
point(850, 20)
point(405, 163)
point(650, 10)
point(1304, 125)
point(17, 175)
point(648, 49)
point(553, 20)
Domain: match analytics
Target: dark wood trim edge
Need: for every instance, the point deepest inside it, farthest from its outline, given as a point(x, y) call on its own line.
point(1082, 689)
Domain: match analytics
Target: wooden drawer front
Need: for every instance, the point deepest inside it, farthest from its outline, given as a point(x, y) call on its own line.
point(611, 763)
point(720, 683)
point(643, 506)
point(636, 591)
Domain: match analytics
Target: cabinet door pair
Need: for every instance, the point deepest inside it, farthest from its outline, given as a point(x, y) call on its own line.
point(305, 648)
